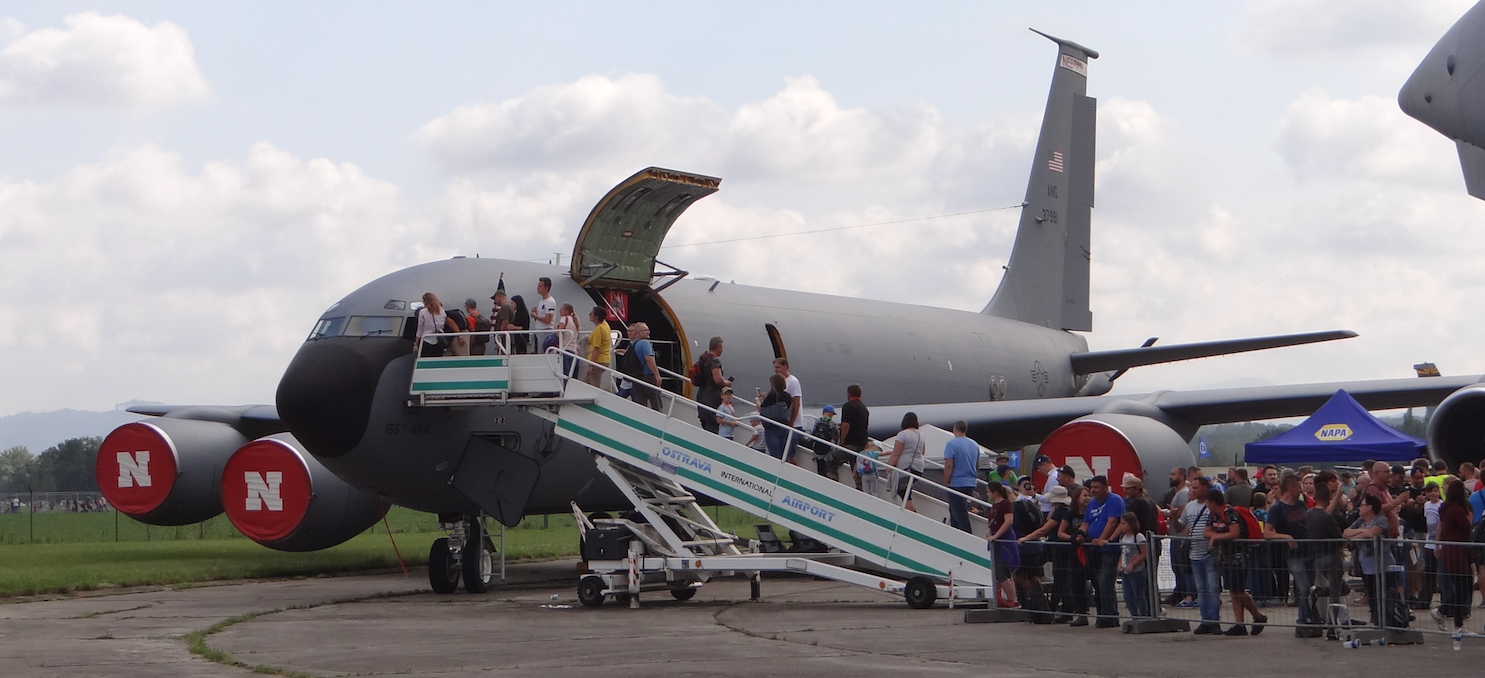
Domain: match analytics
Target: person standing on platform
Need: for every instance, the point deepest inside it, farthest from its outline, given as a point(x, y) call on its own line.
point(796, 395)
point(855, 419)
point(710, 384)
point(544, 315)
point(960, 456)
point(599, 351)
point(646, 381)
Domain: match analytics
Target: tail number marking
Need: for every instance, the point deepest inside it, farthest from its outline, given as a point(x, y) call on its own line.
point(263, 490)
point(134, 469)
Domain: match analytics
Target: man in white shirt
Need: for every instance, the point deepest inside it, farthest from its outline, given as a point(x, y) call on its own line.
point(1044, 466)
point(544, 315)
point(791, 386)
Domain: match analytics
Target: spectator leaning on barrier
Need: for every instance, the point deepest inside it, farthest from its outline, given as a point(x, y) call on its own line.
point(1195, 518)
point(1287, 522)
point(1323, 533)
point(1101, 520)
point(1070, 560)
point(1454, 559)
point(1225, 532)
point(1134, 553)
point(1370, 525)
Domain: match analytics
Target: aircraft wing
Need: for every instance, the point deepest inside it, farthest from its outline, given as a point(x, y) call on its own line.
point(254, 421)
point(1009, 424)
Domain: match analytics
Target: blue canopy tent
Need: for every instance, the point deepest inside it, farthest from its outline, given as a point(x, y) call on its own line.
point(1340, 431)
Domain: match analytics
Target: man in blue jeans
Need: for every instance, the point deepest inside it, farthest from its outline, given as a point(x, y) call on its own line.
point(1203, 559)
point(960, 457)
point(1286, 522)
point(1101, 520)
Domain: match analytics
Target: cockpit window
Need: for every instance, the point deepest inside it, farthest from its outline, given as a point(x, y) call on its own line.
point(373, 326)
point(327, 327)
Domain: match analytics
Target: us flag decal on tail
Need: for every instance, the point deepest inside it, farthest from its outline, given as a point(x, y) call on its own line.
point(1055, 164)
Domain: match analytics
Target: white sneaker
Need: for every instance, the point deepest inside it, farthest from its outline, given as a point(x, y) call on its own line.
point(1438, 617)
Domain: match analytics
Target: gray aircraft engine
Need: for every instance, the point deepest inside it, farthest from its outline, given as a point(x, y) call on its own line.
point(1456, 431)
point(1111, 444)
point(166, 471)
point(278, 495)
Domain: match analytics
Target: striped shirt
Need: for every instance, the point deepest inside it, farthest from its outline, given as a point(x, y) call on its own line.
point(1199, 548)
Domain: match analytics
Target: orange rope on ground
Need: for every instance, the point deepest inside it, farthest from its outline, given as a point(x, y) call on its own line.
point(394, 543)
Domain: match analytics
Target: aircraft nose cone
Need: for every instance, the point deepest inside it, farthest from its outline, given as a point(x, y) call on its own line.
point(325, 395)
point(1416, 98)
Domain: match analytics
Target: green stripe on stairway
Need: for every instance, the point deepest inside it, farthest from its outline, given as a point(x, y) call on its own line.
point(461, 386)
point(915, 535)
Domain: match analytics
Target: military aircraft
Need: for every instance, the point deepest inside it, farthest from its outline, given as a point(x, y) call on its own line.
point(1446, 92)
point(345, 439)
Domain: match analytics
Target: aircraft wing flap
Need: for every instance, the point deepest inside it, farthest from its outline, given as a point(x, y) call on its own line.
point(1004, 425)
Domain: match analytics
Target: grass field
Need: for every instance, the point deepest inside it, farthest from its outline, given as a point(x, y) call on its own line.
point(78, 551)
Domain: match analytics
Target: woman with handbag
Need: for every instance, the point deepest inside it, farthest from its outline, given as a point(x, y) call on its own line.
point(775, 409)
point(431, 321)
point(907, 457)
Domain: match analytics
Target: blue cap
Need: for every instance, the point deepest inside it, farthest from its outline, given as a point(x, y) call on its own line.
point(830, 409)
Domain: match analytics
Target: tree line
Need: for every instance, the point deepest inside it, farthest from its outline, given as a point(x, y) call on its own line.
point(64, 467)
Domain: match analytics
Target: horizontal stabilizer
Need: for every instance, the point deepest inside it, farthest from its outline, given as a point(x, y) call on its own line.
point(1472, 161)
point(1094, 362)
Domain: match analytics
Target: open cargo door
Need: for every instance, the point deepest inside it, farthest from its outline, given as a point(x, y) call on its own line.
point(622, 236)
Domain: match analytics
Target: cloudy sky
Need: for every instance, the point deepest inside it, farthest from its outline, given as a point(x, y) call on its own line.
point(185, 186)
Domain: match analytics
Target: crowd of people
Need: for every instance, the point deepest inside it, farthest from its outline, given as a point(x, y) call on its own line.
point(1286, 537)
point(86, 504)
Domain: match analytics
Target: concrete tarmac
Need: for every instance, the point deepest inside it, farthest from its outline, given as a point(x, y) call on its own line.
point(375, 625)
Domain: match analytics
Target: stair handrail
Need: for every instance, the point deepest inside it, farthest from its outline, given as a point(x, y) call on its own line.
point(893, 471)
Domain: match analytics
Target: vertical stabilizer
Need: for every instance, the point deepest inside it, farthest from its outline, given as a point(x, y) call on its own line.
point(1046, 281)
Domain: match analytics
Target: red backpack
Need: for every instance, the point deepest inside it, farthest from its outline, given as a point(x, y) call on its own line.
point(1247, 522)
point(697, 373)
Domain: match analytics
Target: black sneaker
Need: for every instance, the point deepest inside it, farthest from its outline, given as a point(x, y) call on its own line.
point(1078, 621)
point(1258, 623)
point(1236, 630)
point(1104, 623)
point(1203, 629)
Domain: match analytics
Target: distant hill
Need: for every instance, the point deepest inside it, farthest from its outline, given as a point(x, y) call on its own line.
point(37, 431)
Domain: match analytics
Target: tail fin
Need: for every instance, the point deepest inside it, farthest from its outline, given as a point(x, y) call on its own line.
point(1046, 281)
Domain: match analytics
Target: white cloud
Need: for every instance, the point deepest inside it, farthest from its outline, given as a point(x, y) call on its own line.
point(1367, 139)
point(1306, 27)
point(100, 62)
point(140, 274)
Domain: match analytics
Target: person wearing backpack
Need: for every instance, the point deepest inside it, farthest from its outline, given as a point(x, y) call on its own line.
point(638, 364)
point(828, 430)
point(706, 377)
point(477, 323)
point(1229, 530)
point(960, 457)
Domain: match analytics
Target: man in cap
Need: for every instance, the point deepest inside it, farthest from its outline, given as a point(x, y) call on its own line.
point(1043, 465)
point(477, 323)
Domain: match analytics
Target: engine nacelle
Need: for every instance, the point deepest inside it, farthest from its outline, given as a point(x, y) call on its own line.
point(1111, 445)
point(1456, 432)
point(278, 495)
point(166, 471)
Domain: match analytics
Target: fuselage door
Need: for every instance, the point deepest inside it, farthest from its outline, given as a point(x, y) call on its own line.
point(619, 242)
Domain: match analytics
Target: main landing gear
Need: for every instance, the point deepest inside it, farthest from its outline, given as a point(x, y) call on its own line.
point(465, 555)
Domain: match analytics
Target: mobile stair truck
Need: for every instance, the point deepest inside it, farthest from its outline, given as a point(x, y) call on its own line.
point(658, 459)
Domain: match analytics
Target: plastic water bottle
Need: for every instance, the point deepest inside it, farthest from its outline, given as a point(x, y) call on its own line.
point(1352, 643)
point(1458, 636)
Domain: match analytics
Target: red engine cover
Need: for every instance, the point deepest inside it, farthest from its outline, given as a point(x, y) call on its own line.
point(136, 468)
point(266, 490)
point(1092, 448)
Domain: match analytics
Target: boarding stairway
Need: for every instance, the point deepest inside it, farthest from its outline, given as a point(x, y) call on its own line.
point(660, 458)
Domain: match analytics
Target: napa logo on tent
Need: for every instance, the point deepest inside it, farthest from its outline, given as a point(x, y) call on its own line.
point(1333, 432)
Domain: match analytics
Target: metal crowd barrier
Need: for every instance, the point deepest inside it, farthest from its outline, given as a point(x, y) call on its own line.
point(1324, 589)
